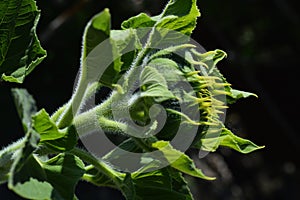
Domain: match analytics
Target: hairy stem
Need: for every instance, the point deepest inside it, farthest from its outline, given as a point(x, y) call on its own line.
point(100, 165)
point(13, 147)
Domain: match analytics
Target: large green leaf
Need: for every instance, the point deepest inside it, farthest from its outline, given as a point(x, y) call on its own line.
point(25, 106)
point(20, 49)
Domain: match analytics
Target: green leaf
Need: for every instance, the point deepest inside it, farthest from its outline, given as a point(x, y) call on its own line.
point(43, 124)
point(25, 106)
point(20, 49)
point(7, 158)
point(96, 31)
point(179, 160)
point(164, 66)
point(139, 21)
point(227, 139)
point(66, 143)
point(32, 178)
point(127, 44)
point(154, 85)
point(54, 138)
point(63, 172)
point(237, 94)
point(239, 144)
point(160, 184)
point(179, 15)
point(174, 25)
point(27, 178)
point(6, 161)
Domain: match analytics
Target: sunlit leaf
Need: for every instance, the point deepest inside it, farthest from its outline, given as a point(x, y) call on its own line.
point(139, 21)
point(51, 135)
point(43, 124)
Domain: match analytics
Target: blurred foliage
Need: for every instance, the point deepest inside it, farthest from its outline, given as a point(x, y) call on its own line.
point(262, 42)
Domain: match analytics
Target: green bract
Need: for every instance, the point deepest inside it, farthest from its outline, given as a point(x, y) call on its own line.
point(47, 164)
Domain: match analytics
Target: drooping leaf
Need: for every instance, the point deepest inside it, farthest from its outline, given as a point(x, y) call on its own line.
point(227, 139)
point(239, 144)
point(66, 143)
point(25, 106)
point(20, 49)
point(179, 160)
point(177, 50)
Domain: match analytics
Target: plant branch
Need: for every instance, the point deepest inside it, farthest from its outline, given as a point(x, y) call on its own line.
point(115, 176)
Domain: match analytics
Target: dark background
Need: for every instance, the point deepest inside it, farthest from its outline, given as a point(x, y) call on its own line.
point(262, 42)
